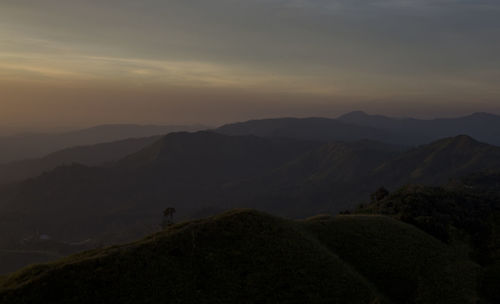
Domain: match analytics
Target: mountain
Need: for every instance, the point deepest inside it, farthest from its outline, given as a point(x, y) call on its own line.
point(326, 179)
point(338, 176)
point(358, 125)
point(484, 127)
point(204, 173)
point(93, 155)
point(126, 199)
point(31, 145)
point(321, 129)
point(439, 161)
point(245, 256)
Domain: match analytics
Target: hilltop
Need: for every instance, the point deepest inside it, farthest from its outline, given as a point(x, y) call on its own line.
point(246, 256)
point(464, 213)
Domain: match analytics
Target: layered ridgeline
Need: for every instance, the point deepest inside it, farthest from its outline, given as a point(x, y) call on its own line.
point(204, 173)
point(481, 126)
point(92, 155)
point(36, 145)
point(249, 257)
point(182, 170)
point(359, 125)
point(339, 176)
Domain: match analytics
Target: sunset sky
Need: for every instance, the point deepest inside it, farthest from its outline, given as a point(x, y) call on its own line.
point(84, 62)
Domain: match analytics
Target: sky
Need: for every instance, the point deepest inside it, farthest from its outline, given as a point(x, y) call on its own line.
point(86, 62)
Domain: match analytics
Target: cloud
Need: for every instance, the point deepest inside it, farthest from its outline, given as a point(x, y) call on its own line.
point(352, 48)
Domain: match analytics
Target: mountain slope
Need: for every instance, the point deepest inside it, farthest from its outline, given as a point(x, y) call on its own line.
point(93, 155)
point(481, 126)
point(31, 145)
point(322, 129)
point(181, 170)
point(205, 173)
point(249, 257)
point(325, 179)
point(338, 176)
point(439, 161)
point(464, 213)
point(358, 125)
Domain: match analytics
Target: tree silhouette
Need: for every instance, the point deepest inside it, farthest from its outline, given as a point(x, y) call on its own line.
point(379, 195)
point(168, 217)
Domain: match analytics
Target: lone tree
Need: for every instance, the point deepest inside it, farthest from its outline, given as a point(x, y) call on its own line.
point(168, 217)
point(380, 194)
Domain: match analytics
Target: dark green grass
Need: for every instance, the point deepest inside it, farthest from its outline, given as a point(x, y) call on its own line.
point(12, 260)
point(399, 259)
point(245, 256)
point(239, 257)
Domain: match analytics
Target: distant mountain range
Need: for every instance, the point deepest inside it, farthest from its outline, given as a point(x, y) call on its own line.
point(116, 191)
point(32, 145)
point(484, 127)
point(204, 172)
point(359, 125)
point(91, 155)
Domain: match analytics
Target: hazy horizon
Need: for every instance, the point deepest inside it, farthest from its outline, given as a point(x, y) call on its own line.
point(13, 130)
point(74, 64)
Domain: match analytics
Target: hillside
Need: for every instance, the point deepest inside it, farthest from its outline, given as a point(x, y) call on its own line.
point(325, 179)
point(358, 125)
point(33, 145)
point(205, 173)
point(321, 129)
point(338, 176)
point(439, 161)
point(124, 201)
point(249, 257)
point(481, 126)
point(464, 213)
point(93, 155)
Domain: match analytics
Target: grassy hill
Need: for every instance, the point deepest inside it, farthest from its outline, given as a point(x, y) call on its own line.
point(245, 256)
point(12, 260)
point(464, 214)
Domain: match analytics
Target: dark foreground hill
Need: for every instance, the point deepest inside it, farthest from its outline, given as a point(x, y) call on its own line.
point(464, 213)
point(249, 257)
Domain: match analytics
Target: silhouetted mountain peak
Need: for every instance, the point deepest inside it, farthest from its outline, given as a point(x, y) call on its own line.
point(461, 142)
